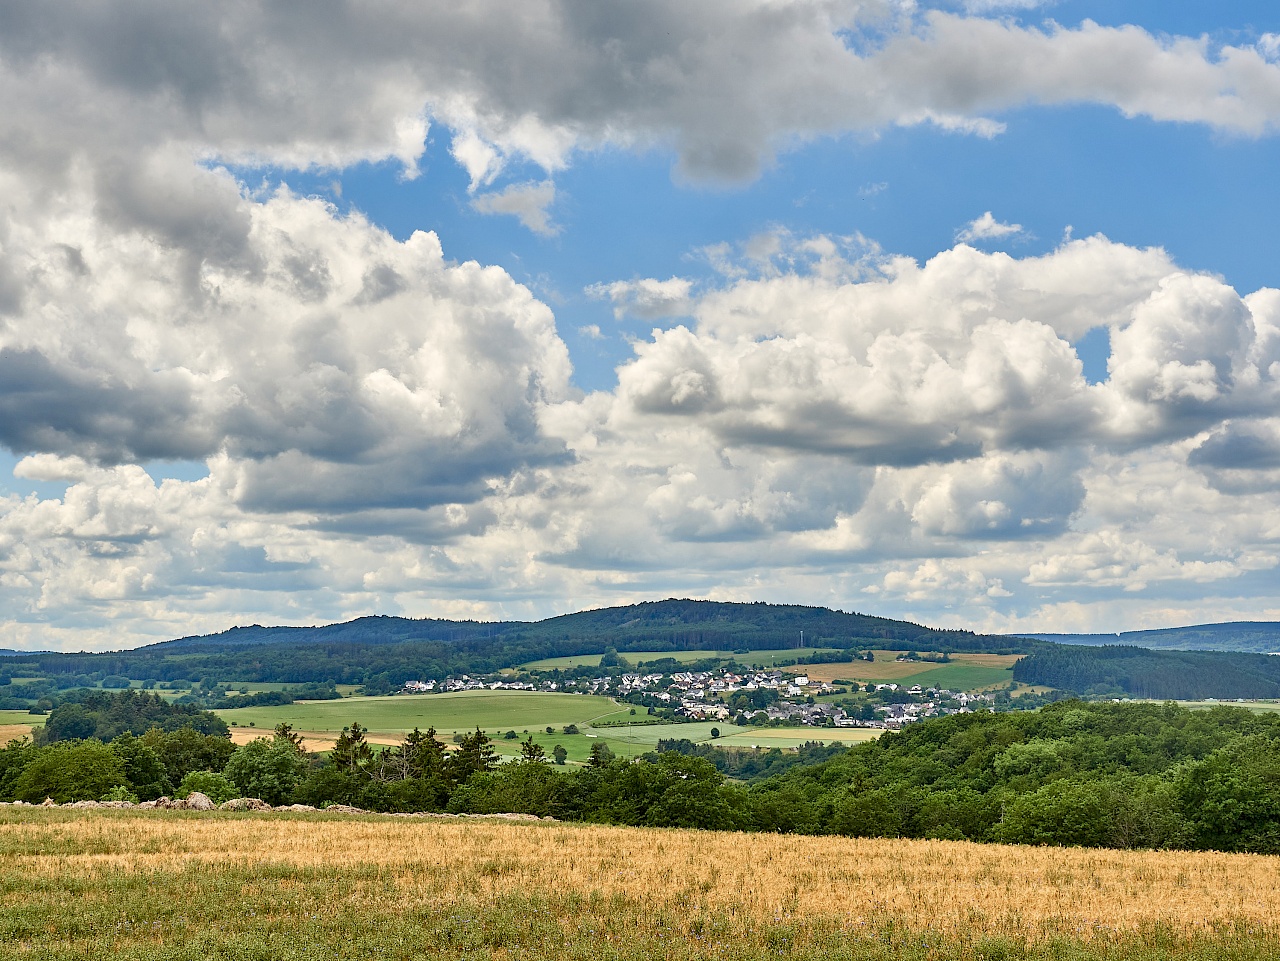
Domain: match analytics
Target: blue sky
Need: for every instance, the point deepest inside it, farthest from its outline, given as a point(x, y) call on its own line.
point(956, 312)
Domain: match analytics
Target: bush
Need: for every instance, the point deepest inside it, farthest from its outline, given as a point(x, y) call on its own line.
point(120, 794)
point(266, 769)
point(76, 771)
point(215, 786)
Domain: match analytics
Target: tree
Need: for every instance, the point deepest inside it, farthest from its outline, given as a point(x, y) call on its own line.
point(143, 767)
point(70, 771)
point(285, 732)
point(352, 753)
point(474, 755)
point(530, 750)
point(216, 787)
point(266, 769)
point(600, 755)
point(559, 753)
point(186, 750)
point(715, 732)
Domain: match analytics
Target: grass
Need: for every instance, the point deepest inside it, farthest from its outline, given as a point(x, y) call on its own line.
point(966, 672)
point(15, 725)
point(162, 886)
point(447, 713)
point(496, 712)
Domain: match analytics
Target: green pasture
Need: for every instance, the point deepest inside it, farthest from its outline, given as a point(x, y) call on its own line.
point(20, 717)
point(963, 677)
point(1261, 707)
point(447, 713)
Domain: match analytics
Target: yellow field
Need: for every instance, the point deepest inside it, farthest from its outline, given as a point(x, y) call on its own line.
point(12, 732)
point(939, 886)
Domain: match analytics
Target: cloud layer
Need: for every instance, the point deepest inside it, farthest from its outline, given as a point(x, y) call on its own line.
point(386, 429)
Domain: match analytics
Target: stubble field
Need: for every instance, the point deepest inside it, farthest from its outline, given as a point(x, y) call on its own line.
point(161, 885)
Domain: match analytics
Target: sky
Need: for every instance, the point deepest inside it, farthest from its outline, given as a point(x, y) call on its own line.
point(963, 312)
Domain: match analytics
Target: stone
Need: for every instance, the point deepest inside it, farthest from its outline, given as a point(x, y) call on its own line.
point(245, 804)
point(197, 801)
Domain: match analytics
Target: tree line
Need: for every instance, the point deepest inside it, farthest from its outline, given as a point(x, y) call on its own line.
point(1113, 775)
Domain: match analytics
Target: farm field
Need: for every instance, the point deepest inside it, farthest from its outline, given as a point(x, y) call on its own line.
point(448, 713)
point(526, 713)
point(966, 672)
point(15, 725)
point(146, 886)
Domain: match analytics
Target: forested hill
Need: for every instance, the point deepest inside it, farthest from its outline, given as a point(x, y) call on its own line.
point(670, 625)
point(1136, 671)
point(1257, 637)
point(383, 652)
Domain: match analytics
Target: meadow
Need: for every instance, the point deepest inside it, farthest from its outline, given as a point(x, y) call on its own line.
point(965, 672)
point(447, 713)
point(155, 886)
point(528, 713)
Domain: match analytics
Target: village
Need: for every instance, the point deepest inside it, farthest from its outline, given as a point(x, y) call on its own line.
point(743, 697)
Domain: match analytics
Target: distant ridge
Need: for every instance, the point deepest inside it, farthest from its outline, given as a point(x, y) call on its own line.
point(672, 624)
point(1253, 637)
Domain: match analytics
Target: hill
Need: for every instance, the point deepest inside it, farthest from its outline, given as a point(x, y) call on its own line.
point(1257, 637)
point(670, 625)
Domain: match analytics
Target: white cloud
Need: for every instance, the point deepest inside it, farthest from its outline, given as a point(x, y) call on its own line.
point(646, 298)
point(726, 84)
point(987, 227)
point(388, 430)
point(528, 202)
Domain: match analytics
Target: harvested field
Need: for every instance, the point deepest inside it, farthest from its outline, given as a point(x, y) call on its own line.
point(158, 884)
point(13, 732)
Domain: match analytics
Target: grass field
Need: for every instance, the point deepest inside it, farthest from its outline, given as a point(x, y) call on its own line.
point(496, 712)
point(447, 713)
point(162, 886)
point(15, 725)
point(966, 672)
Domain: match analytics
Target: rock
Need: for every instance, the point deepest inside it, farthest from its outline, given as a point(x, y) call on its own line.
point(49, 803)
point(199, 802)
point(148, 805)
point(116, 804)
point(344, 809)
point(245, 804)
point(295, 807)
point(87, 804)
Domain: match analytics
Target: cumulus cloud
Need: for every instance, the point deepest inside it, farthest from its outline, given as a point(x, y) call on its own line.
point(527, 202)
point(921, 435)
point(336, 365)
point(726, 84)
point(385, 429)
point(647, 299)
point(987, 227)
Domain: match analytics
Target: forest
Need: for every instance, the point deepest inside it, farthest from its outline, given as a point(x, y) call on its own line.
point(1074, 773)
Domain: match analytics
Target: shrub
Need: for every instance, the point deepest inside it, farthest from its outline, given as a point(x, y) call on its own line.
point(76, 771)
point(214, 785)
point(266, 769)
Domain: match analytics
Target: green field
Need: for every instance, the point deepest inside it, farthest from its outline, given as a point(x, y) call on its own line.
point(527, 713)
point(963, 677)
point(447, 713)
point(20, 717)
